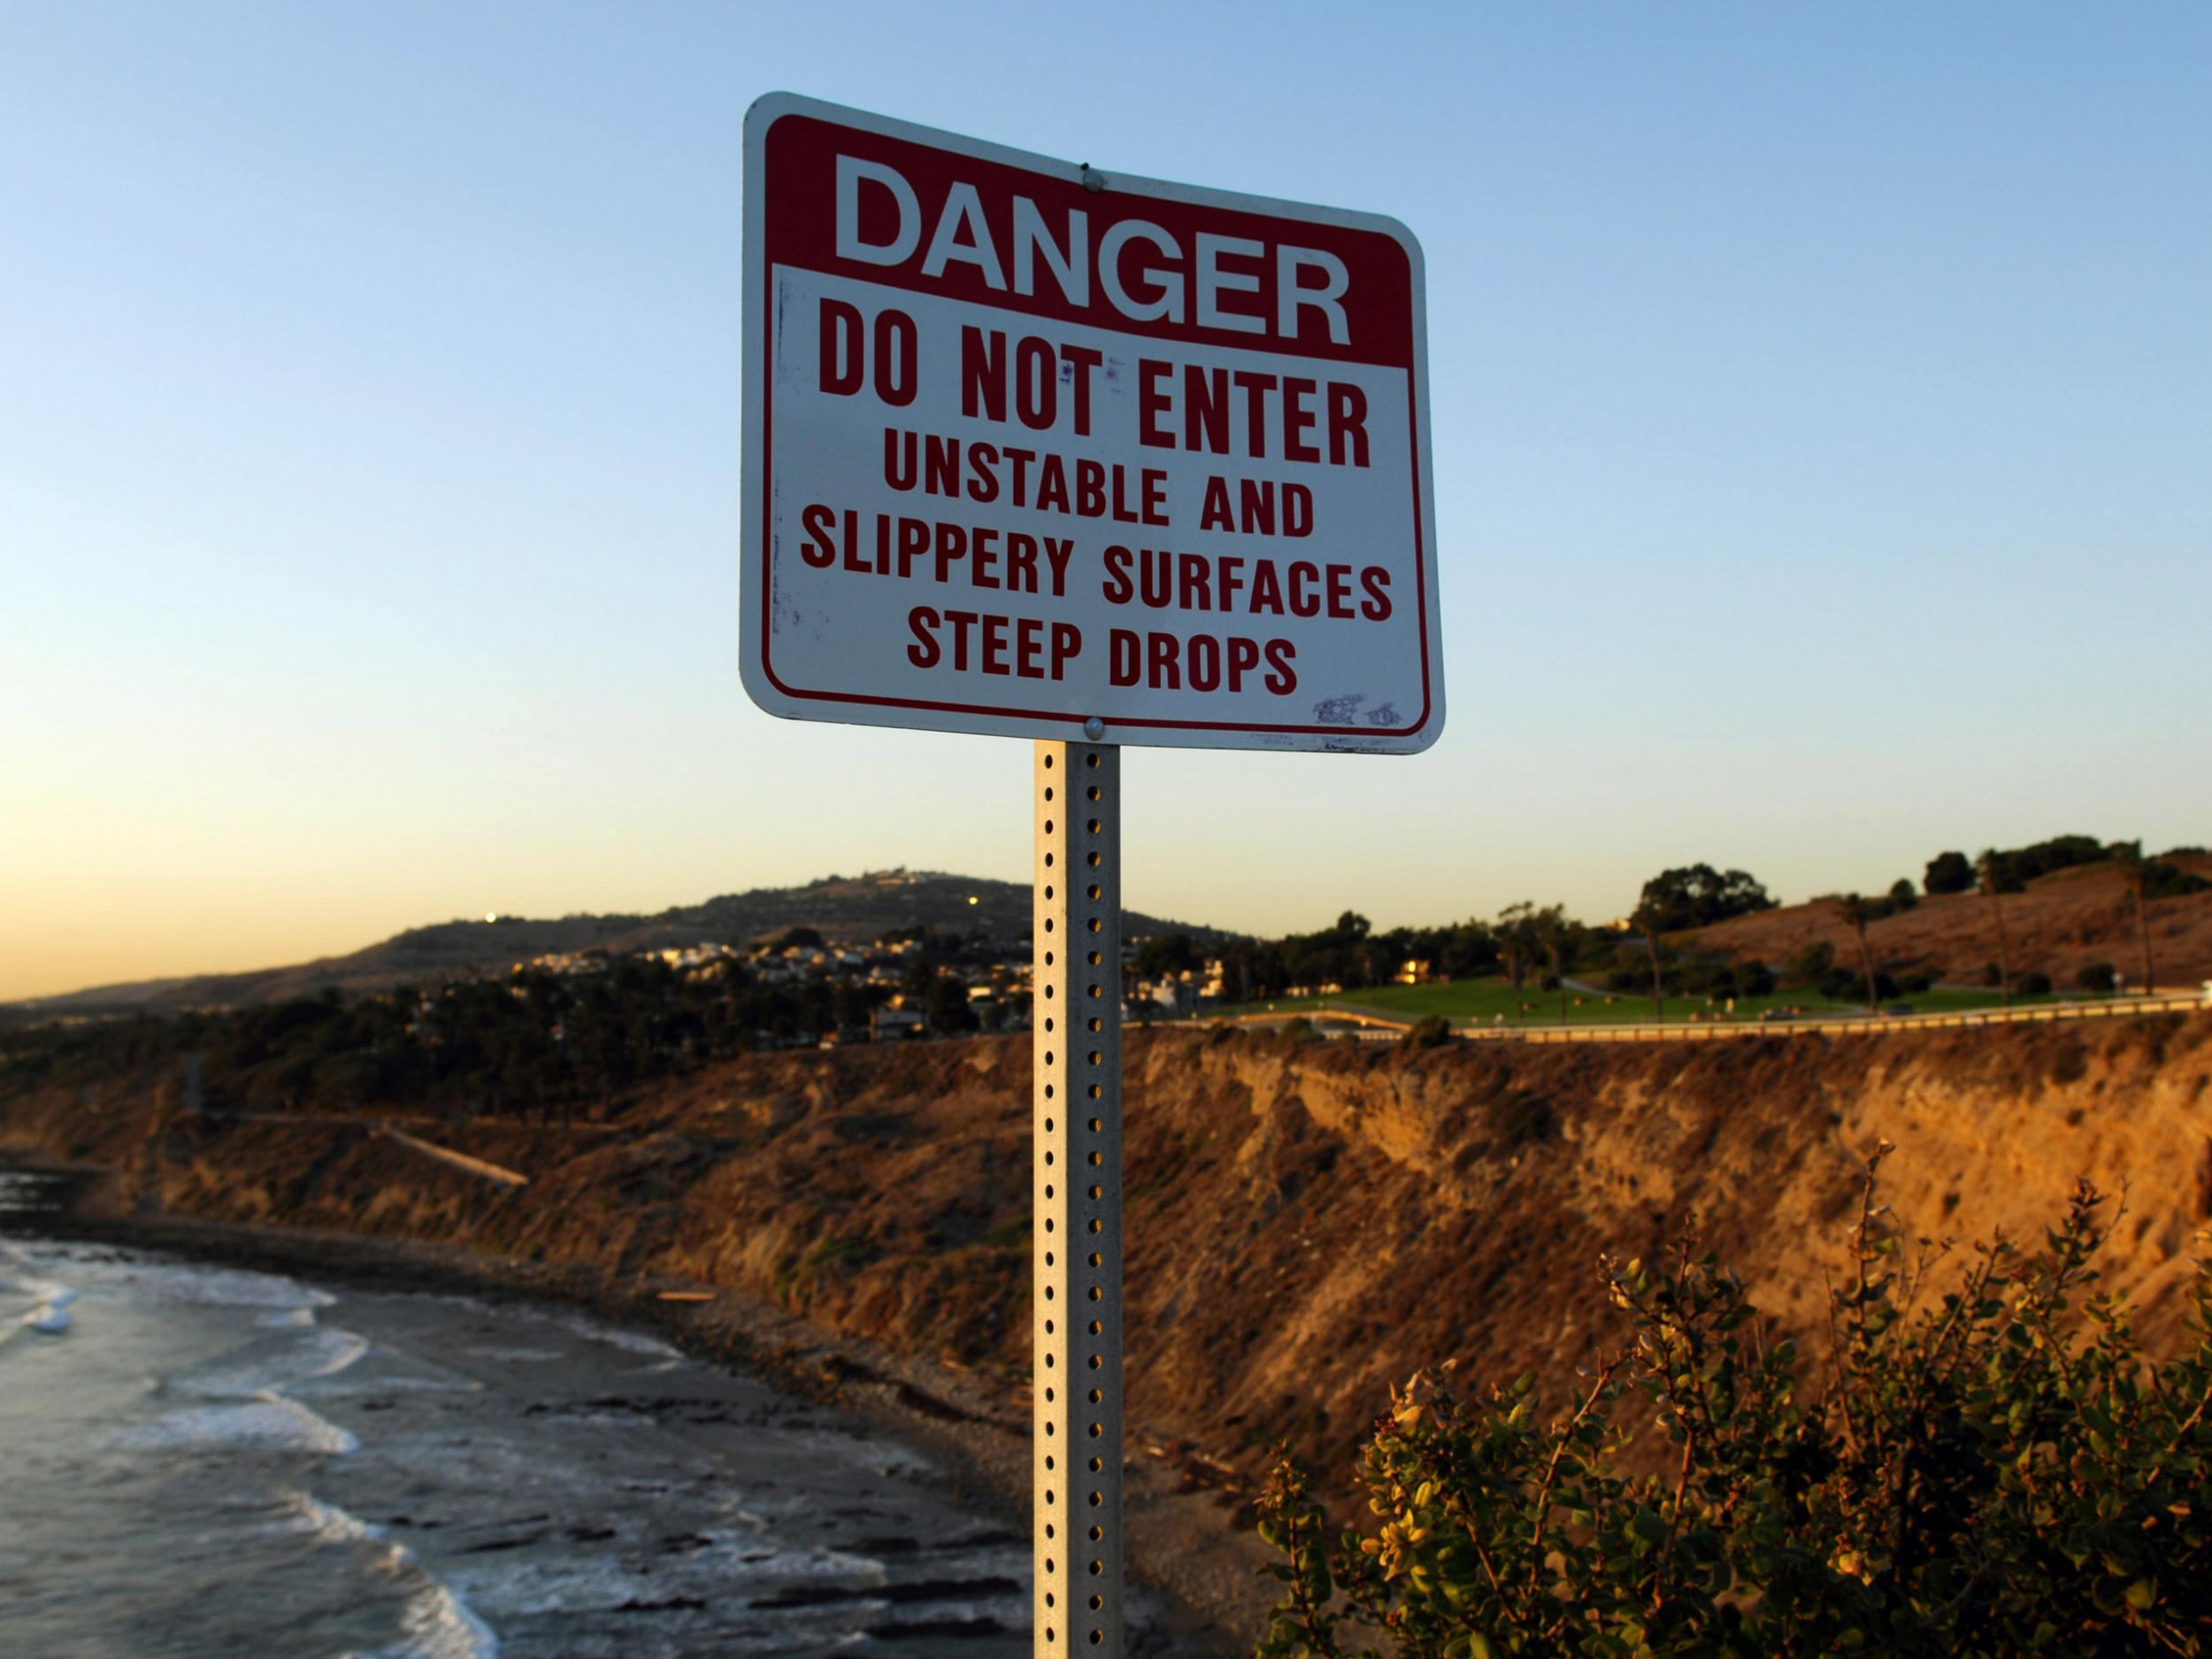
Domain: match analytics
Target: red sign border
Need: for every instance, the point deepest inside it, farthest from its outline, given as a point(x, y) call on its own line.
point(773, 107)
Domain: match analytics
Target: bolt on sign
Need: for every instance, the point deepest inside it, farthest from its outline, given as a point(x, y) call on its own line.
point(1029, 446)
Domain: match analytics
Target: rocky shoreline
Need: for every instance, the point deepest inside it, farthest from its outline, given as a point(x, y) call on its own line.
point(1206, 1598)
point(1306, 1222)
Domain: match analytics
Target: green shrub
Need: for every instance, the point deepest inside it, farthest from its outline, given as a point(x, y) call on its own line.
point(1432, 1033)
point(1755, 979)
point(1989, 1475)
point(2164, 880)
point(1948, 872)
point(2036, 983)
point(2098, 976)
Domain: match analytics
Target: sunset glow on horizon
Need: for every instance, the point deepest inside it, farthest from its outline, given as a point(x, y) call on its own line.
point(1823, 477)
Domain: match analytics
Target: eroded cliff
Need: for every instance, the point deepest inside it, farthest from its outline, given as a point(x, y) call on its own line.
point(1306, 1221)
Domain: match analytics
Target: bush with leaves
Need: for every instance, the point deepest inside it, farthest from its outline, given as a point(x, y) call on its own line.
point(1948, 872)
point(1432, 1033)
point(1999, 1472)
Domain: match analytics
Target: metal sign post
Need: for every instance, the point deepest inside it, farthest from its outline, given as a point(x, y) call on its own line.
point(1075, 1305)
point(1030, 452)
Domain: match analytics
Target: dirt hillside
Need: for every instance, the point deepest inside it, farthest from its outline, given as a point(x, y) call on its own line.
point(1306, 1221)
point(2063, 922)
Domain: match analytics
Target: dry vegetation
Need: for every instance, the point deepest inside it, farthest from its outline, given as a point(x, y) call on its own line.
point(2061, 924)
point(1308, 1222)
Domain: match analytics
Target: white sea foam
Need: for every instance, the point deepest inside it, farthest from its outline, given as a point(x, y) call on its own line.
point(370, 1380)
point(270, 1423)
point(381, 1382)
point(227, 1286)
point(278, 1361)
point(43, 1293)
point(440, 1625)
point(614, 1336)
point(326, 1523)
point(520, 1587)
point(287, 1319)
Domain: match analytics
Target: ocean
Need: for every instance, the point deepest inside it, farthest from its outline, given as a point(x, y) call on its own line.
point(207, 1463)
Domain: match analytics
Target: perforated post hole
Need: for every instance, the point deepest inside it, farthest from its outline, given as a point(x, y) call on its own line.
point(1076, 800)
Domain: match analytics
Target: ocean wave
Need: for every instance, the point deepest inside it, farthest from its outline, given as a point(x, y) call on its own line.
point(326, 1523)
point(23, 1282)
point(514, 1355)
point(373, 1380)
point(270, 1423)
point(227, 1286)
point(614, 1336)
point(45, 1292)
point(534, 1587)
point(575, 1324)
point(277, 1362)
point(438, 1624)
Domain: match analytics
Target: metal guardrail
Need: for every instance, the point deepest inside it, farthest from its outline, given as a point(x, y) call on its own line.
point(1374, 1028)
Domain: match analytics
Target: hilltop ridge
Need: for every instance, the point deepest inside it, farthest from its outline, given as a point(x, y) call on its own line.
point(2058, 924)
point(842, 908)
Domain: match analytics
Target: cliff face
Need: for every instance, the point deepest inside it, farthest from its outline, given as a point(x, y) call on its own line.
point(1306, 1222)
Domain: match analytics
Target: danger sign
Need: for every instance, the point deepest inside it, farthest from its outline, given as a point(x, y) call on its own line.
point(1027, 446)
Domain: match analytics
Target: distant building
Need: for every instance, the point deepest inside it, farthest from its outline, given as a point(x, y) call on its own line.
point(1172, 995)
point(693, 955)
point(893, 1024)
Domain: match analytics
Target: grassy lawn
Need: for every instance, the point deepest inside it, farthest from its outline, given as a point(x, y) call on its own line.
point(1492, 1001)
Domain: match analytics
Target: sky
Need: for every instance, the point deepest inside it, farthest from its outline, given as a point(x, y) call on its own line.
point(1823, 448)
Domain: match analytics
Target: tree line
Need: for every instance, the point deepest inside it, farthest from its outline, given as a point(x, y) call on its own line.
point(1995, 873)
point(532, 1044)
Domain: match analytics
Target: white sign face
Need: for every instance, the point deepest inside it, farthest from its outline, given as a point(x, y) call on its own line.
point(1026, 447)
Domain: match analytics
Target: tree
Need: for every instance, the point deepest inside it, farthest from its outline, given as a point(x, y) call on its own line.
point(1554, 933)
point(1647, 918)
point(1947, 873)
point(1517, 939)
point(800, 939)
point(2135, 876)
point(1167, 954)
point(1697, 895)
point(946, 1006)
point(1902, 897)
point(1855, 913)
point(1990, 868)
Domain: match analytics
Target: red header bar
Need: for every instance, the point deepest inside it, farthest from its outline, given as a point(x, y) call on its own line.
point(911, 216)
